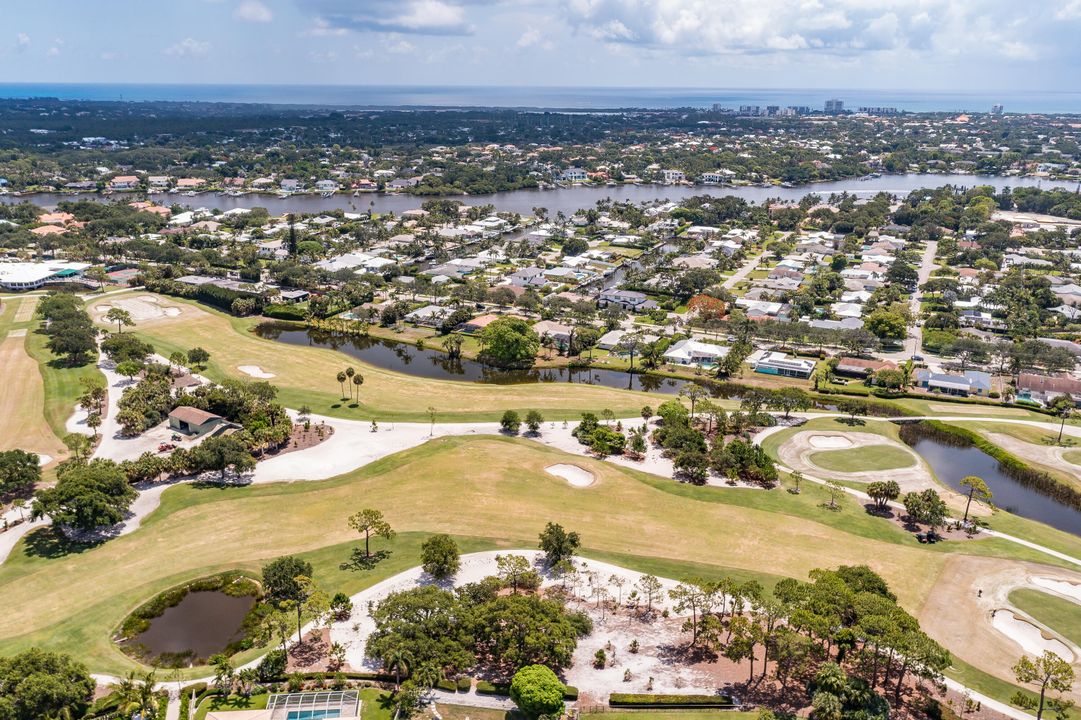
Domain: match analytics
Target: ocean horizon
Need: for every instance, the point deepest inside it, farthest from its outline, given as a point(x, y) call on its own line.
point(562, 98)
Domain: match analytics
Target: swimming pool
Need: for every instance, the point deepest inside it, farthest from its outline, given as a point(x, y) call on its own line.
point(313, 714)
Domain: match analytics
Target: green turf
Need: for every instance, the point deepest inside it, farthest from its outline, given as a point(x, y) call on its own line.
point(1059, 614)
point(863, 459)
point(218, 703)
point(63, 384)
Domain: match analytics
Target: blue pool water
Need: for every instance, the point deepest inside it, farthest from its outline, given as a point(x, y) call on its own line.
point(313, 714)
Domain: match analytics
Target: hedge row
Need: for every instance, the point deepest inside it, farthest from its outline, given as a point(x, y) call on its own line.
point(279, 311)
point(185, 697)
point(484, 687)
point(633, 700)
point(1010, 464)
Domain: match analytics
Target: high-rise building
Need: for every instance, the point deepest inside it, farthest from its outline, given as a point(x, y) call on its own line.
point(997, 109)
point(835, 107)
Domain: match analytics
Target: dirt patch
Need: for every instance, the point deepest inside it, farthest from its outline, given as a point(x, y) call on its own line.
point(576, 476)
point(20, 332)
point(255, 371)
point(302, 439)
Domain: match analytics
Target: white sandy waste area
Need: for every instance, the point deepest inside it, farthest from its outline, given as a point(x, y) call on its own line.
point(255, 371)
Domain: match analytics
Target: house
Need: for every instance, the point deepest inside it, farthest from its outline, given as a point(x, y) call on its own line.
point(338, 704)
point(158, 182)
point(193, 421)
point(673, 176)
point(695, 352)
point(574, 174)
point(777, 363)
point(190, 183)
point(124, 182)
point(292, 297)
point(479, 323)
point(290, 185)
point(859, 367)
point(626, 299)
point(1043, 388)
point(972, 382)
point(559, 333)
point(429, 315)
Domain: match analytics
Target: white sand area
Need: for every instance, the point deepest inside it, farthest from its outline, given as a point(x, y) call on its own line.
point(576, 476)
point(829, 442)
point(1031, 639)
point(1067, 589)
point(255, 371)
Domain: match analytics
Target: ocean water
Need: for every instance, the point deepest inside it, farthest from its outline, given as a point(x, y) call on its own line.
point(569, 98)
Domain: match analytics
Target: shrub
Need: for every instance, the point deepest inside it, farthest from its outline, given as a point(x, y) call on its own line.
point(484, 687)
point(447, 685)
point(272, 666)
point(465, 683)
point(285, 312)
point(537, 691)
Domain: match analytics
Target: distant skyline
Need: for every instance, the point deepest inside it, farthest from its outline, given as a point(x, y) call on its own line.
point(943, 45)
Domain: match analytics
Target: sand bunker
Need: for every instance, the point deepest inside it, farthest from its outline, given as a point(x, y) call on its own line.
point(1068, 589)
point(1031, 638)
point(255, 371)
point(144, 307)
point(44, 460)
point(829, 442)
point(573, 474)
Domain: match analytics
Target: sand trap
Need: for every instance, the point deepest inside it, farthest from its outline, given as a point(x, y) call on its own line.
point(1069, 589)
point(144, 307)
point(1028, 636)
point(573, 474)
point(255, 371)
point(829, 442)
point(44, 460)
point(21, 332)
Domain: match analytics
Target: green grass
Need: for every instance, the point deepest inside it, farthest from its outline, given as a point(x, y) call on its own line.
point(218, 703)
point(487, 491)
point(1072, 456)
point(1064, 616)
point(306, 376)
point(975, 679)
point(63, 385)
point(863, 459)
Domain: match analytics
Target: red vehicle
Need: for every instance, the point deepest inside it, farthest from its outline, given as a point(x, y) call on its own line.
point(166, 447)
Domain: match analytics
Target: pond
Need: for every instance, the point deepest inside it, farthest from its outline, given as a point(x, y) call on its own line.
point(431, 363)
point(951, 463)
point(200, 625)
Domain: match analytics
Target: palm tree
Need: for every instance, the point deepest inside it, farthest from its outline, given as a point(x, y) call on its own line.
point(342, 377)
point(349, 373)
point(358, 380)
point(399, 660)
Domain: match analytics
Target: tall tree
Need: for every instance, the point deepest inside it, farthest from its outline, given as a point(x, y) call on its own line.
point(368, 522)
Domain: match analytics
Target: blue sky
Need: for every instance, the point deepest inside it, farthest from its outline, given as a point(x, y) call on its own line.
point(886, 44)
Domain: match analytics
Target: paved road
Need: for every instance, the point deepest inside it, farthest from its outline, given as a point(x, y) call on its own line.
point(914, 341)
point(743, 272)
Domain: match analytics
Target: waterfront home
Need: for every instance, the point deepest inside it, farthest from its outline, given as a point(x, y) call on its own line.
point(778, 363)
point(560, 334)
point(1045, 388)
point(695, 352)
point(971, 382)
point(429, 315)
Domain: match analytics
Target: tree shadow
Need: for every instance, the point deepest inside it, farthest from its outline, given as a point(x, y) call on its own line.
point(853, 422)
point(50, 543)
point(359, 561)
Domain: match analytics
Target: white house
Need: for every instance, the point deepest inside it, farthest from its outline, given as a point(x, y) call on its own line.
point(695, 352)
point(777, 363)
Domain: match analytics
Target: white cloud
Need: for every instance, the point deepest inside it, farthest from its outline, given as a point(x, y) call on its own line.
point(253, 11)
point(189, 47)
point(421, 17)
point(22, 42)
point(533, 38)
point(110, 55)
point(399, 47)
